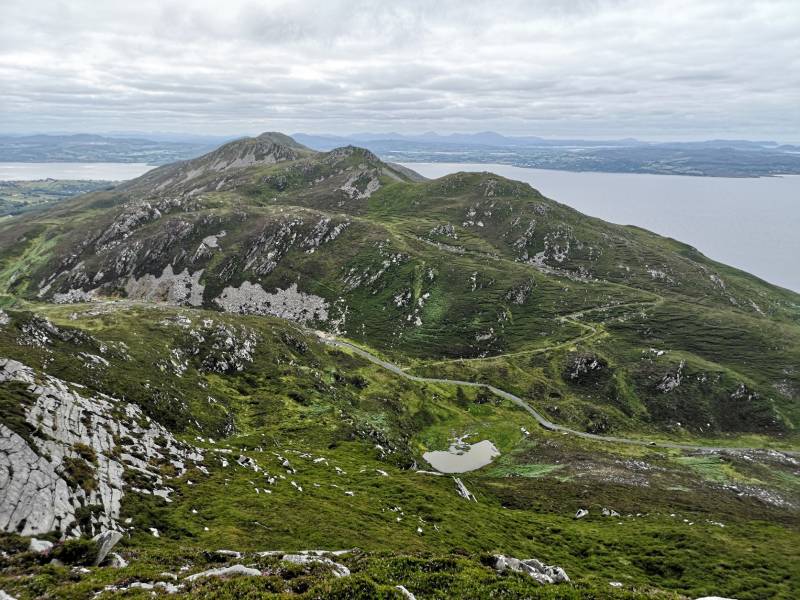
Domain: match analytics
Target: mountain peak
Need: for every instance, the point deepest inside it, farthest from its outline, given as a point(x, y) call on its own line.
point(280, 139)
point(268, 147)
point(198, 173)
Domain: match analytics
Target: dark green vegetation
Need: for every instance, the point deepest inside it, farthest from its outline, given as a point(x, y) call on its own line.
point(604, 328)
point(17, 197)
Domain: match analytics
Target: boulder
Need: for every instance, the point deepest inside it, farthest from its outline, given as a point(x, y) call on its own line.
point(544, 574)
point(582, 512)
point(116, 561)
point(406, 594)
point(225, 572)
point(463, 491)
point(339, 570)
point(105, 542)
point(40, 546)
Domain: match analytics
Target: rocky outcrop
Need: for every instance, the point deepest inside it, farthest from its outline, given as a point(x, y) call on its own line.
point(463, 491)
point(278, 237)
point(361, 185)
point(544, 574)
point(34, 498)
point(670, 381)
point(105, 543)
point(173, 288)
point(225, 572)
point(289, 304)
point(338, 569)
point(406, 594)
point(63, 469)
point(582, 367)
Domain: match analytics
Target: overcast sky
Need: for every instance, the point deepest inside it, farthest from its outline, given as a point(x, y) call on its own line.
point(672, 69)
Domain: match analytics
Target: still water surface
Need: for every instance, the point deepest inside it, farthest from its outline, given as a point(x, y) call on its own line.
point(462, 457)
point(750, 223)
point(12, 171)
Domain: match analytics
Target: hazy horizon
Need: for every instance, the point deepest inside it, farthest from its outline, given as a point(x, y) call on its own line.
point(167, 135)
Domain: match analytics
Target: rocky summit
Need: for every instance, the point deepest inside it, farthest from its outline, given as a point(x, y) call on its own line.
point(221, 380)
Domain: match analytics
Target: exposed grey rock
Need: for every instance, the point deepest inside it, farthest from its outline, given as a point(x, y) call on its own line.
point(544, 574)
point(289, 304)
point(361, 185)
point(40, 545)
point(582, 512)
point(670, 381)
point(5, 596)
point(222, 348)
point(116, 561)
point(519, 294)
point(225, 572)
point(208, 246)
point(339, 570)
point(165, 586)
point(406, 594)
point(581, 366)
point(105, 542)
point(170, 287)
point(463, 491)
point(36, 495)
point(311, 552)
point(72, 296)
point(33, 496)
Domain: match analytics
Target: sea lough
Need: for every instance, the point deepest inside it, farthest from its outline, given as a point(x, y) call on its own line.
point(749, 223)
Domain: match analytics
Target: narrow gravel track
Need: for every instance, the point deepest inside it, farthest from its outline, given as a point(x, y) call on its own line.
point(544, 422)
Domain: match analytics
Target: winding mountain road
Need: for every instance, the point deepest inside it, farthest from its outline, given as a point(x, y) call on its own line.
point(543, 421)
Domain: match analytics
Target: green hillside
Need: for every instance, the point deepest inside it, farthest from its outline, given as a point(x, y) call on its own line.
point(193, 315)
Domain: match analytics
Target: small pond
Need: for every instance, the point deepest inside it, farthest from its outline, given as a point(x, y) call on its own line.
point(462, 457)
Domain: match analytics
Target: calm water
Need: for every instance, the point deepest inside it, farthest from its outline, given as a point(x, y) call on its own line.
point(65, 170)
point(461, 457)
point(752, 224)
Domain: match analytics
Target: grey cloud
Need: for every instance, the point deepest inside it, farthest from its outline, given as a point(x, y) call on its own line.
point(585, 67)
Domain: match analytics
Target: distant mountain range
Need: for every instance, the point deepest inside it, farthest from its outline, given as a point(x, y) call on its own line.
point(722, 158)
